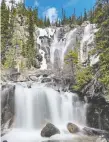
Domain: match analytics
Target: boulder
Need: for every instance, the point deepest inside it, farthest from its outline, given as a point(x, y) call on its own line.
point(33, 78)
point(39, 57)
point(72, 128)
point(49, 130)
point(44, 80)
point(45, 75)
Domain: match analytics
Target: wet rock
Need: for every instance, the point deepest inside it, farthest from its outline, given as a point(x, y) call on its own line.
point(29, 85)
point(7, 107)
point(72, 128)
point(102, 139)
point(92, 132)
point(33, 78)
point(7, 98)
point(44, 80)
point(98, 109)
point(39, 57)
point(22, 78)
point(45, 75)
point(36, 63)
point(49, 130)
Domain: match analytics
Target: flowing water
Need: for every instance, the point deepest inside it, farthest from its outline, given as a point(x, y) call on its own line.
point(38, 105)
point(61, 46)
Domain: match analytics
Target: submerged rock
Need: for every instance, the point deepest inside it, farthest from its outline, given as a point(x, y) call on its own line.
point(72, 128)
point(49, 130)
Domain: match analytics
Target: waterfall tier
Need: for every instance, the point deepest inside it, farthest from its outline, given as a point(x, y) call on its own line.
point(38, 105)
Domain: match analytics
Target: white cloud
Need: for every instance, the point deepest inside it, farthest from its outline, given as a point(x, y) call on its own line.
point(51, 13)
point(36, 3)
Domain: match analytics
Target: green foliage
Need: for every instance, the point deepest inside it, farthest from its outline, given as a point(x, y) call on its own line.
point(102, 39)
point(83, 76)
point(10, 59)
point(46, 22)
point(30, 50)
point(71, 57)
point(4, 25)
point(85, 15)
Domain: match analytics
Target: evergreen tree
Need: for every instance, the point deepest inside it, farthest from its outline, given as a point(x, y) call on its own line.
point(31, 53)
point(35, 16)
point(85, 15)
point(48, 22)
point(4, 28)
point(102, 39)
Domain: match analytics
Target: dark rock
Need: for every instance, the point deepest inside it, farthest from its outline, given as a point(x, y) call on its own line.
point(98, 116)
point(29, 85)
point(44, 80)
point(49, 130)
point(7, 103)
point(72, 128)
point(45, 75)
point(98, 109)
point(5, 141)
point(92, 132)
point(39, 57)
point(36, 63)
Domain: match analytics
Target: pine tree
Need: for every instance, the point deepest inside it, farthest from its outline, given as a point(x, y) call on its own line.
point(31, 53)
point(48, 22)
point(102, 39)
point(35, 16)
point(4, 28)
point(85, 15)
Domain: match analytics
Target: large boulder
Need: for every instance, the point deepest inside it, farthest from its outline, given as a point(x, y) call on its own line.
point(72, 128)
point(49, 130)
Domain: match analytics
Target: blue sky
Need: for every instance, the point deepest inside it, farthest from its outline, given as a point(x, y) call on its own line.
point(53, 7)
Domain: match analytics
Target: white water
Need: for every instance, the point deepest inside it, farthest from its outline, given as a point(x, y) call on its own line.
point(59, 48)
point(44, 64)
point(88, 38)
point(38, 105)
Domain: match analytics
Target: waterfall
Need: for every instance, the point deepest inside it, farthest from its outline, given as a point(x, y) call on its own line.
point(44, 64)
point(61, 45)
point(38, 105)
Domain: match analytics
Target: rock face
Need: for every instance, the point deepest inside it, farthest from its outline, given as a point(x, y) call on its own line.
point(92, 131)
point(49, 130)
point(72, 128)
point(7, 102)
point(98, 109)
point(7, 107)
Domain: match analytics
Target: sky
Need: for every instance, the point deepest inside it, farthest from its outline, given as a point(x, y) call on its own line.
point(53, 8)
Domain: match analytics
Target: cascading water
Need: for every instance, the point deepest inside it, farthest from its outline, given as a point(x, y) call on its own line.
point(38, 105)
point(61, 45)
